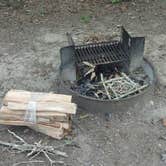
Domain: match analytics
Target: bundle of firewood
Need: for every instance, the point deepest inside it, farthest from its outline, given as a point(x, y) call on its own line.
point(47, 113)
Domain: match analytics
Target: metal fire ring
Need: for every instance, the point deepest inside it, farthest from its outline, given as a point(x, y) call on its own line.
point(97, 105)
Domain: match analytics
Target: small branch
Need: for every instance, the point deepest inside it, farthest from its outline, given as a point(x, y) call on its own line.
point(112, 80)
point(34, 150)
point(112, 89)
point(89, 64)
point(128, 79)
point(17, 137)
point(35, 155)
point(102, 79)
point(17, 146)
point(52, 161)
point(31, 147)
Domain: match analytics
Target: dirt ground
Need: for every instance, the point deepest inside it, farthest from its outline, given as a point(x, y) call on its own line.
point(31, 35)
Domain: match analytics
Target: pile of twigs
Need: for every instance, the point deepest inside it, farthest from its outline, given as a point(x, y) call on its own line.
point(34, 150)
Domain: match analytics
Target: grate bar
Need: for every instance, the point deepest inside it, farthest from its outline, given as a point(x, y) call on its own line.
point(101, 53)
point(112, 53)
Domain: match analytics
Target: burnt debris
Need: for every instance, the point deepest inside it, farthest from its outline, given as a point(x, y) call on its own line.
point(109, 83)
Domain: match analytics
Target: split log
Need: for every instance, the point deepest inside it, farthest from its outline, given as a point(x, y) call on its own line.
point(23, 123)
point(21, 96)
point(8, 117)
point(52, 107)
point(54, 115)
point(57, 133)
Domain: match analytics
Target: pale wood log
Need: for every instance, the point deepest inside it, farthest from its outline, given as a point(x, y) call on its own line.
point(57, 133)
point(9, 117)
point(57, 107)
point(55, 115)
point(66, 126)
point(21, 96)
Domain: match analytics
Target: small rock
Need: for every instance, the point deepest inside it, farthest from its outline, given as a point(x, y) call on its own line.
point(151, 103)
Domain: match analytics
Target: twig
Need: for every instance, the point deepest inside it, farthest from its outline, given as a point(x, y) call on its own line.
point(112, 79)
point(52, 161)
point(91, 70)
point(26, 162)
point(128, 79)
point(35, 155)
point(17, 137)
point(102, 79)
point(34, 149)
point(112, 89)
point(25, 147)
point(30, 148)
point(38, 145)
point(88, 64)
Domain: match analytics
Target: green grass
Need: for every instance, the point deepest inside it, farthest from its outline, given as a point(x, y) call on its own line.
point(115, 1)
point(85, 19)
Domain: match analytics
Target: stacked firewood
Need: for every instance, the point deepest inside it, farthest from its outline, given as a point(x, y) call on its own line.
point(47, 113)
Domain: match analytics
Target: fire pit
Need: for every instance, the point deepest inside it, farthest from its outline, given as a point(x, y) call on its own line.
point(107, 76)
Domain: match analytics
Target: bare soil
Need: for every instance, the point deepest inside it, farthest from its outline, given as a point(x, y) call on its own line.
point(31, 35)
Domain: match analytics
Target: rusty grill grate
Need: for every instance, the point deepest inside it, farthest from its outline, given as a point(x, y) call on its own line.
point(101, 53)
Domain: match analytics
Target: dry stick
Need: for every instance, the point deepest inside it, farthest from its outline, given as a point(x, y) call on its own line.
point(88, 64)
point(23, 148)
point(52, 161)
point(112, 79)
point(26, 162)
point(89, 71)
point(101, 75)
point(128, 79)
point(33, 148)
point(35, 155)
point(17, 137)
point(116, 95)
